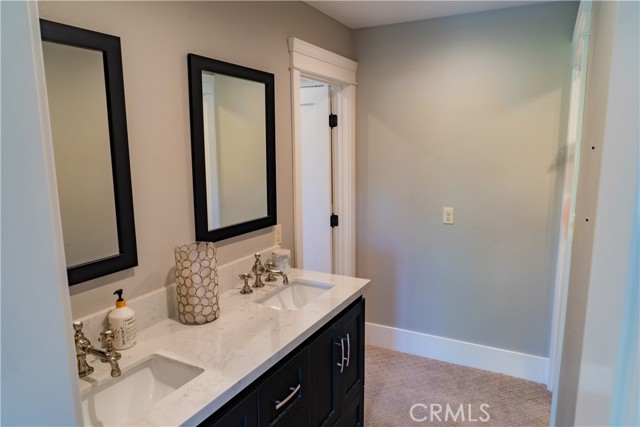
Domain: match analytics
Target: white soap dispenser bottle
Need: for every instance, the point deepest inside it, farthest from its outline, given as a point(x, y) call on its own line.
point(122, 321)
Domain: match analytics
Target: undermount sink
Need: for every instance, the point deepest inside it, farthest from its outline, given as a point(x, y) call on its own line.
point(295, 295)
point(120, 400)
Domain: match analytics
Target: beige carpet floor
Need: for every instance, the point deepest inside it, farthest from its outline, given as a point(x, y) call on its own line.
point(394, 382)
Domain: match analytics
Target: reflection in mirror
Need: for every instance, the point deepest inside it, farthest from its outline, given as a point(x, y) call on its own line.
point(85, 91)
point(234, 134)
point(80, 130)
point(233, 148)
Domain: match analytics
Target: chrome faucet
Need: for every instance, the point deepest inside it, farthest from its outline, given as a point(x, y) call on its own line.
point(269, 267)
point(84, 347)
point(258, 270)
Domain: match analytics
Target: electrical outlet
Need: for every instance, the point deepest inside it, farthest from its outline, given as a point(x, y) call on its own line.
point(447, 215)
point(277, 234)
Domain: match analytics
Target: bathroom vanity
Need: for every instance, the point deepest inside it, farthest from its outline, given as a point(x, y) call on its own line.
point(259, 364)
point(320, 383)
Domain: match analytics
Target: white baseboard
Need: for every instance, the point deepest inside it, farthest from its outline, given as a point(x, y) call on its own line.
point(521, 365)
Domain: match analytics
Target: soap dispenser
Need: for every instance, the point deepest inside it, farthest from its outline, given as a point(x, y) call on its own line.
point(122, 321)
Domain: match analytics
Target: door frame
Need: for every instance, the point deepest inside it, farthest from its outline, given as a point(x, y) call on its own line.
point(580, 45)
point(320, 64)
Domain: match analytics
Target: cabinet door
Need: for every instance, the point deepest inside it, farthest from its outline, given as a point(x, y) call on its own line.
point(351, 337)
point(300, 420)
point(244, 414)
point(285, 393)
point(323, 379)
point(353, 415)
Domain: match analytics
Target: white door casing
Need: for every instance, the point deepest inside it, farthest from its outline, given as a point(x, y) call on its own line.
point(572, 166)
point(322, 65)
point(34, 270)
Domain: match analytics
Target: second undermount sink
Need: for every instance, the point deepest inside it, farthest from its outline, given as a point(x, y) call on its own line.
point(295, 295)
point(122, 399)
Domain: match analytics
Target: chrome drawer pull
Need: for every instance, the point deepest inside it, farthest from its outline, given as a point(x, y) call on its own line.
point(294, 391)
point(348, 350)
point(342, 359)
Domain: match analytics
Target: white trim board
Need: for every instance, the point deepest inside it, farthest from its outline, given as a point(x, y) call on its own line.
point(316, 61)
point(520, 365)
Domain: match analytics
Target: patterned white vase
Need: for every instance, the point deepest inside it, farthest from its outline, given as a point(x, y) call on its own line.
point(197, 283)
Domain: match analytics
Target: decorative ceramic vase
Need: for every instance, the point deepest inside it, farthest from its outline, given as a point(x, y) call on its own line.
point(197, 283)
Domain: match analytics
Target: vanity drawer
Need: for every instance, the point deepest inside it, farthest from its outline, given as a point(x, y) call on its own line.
point(283, 395)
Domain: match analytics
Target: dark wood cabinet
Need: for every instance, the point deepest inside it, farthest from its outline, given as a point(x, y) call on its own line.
point(353, 415)
point(284, 393)
point(336, 360)
point(351, 379)
point(320, 383)
point(324, 409)
point(242, 414)
point(302, 419)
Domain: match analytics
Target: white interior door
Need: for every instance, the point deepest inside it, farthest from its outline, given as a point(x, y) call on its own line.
point(317, 253)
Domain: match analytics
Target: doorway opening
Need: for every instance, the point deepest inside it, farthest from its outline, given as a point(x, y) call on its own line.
point(323, 93)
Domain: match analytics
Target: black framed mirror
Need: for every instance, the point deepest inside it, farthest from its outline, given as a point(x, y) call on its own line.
point(85, 91)
point(233, 148)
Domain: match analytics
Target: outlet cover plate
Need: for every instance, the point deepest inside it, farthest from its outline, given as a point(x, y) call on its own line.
point(277, 234)
point(447, 215)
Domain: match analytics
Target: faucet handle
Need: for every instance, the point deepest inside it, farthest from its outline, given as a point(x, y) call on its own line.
point(82, 342)
point(108, 336)
point(246, 289)
point(77, 326)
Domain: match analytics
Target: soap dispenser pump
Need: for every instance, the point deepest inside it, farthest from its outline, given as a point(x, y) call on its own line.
point(122, 321)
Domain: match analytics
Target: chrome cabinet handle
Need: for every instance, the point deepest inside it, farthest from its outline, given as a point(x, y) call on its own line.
point(348, 350)
point(342, 358)
point(294, 391)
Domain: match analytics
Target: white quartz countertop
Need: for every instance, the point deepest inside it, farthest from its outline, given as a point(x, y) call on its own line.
point(234, 350)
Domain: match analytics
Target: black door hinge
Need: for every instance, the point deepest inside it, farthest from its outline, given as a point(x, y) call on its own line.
point(333, 121)
point(333, 220)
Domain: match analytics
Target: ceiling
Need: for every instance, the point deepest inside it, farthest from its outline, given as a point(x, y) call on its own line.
point(362, 14)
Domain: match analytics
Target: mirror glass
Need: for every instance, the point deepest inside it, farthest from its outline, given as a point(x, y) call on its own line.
point(233, 148)
point(80, 130)
point(85, 91)
point(234, 137)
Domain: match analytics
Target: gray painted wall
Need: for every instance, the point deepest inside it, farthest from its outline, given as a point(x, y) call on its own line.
point(470, 112)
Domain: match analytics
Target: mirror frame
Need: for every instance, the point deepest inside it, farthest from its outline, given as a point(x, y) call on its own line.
point(198, 64)
point(114, 82)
